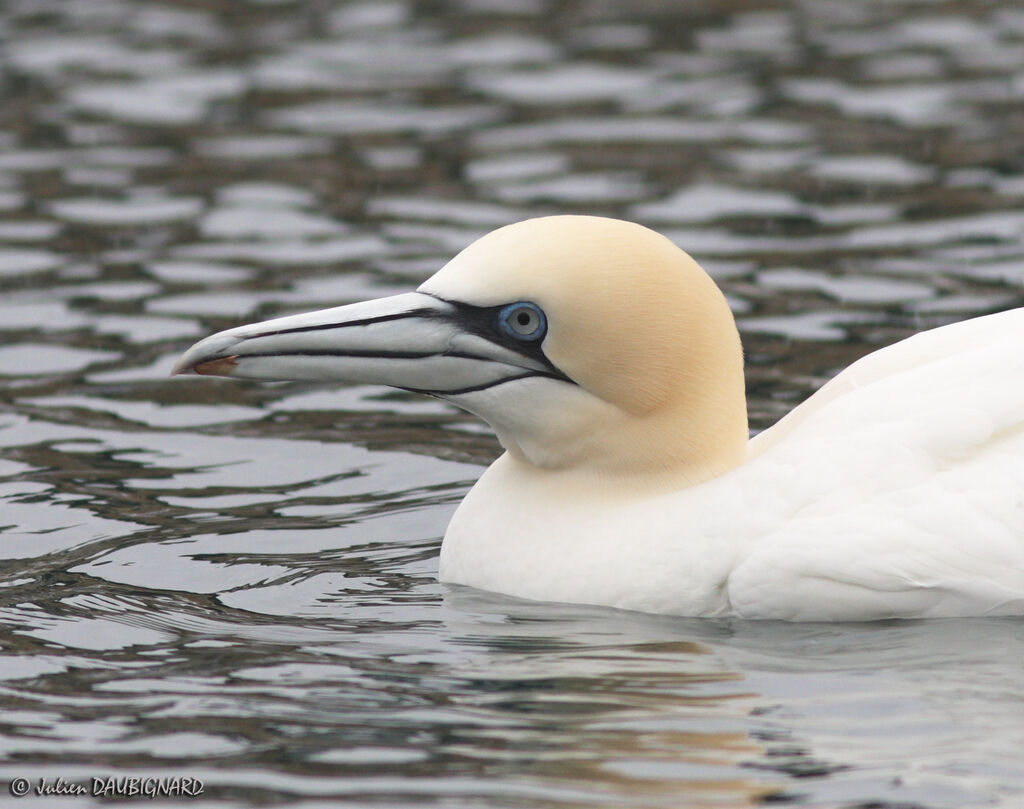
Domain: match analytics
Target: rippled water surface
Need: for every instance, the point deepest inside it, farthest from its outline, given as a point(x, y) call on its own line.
point(236, 582)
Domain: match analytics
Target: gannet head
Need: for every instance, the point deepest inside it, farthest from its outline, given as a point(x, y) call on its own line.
point(588, 344)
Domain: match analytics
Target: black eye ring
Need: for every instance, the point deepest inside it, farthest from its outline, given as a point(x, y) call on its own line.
point(522, 321)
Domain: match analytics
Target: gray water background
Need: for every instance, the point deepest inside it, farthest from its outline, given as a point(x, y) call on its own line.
point(236, 581)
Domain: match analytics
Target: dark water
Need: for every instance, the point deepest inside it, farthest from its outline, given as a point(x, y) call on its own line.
point(236, 582)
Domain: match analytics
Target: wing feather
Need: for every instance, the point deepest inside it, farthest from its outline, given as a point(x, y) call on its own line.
point(907, 485)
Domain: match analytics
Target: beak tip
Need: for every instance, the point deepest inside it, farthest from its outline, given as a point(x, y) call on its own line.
point(180, 367)
point(211, 356)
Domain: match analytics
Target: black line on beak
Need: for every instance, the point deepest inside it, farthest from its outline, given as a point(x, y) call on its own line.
point(485, 385)
point(366, 321)
point(477, 320)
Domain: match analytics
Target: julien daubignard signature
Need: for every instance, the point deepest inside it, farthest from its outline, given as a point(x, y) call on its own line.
point(111, 786)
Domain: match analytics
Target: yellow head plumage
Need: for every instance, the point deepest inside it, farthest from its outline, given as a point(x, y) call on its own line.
point(644, 332)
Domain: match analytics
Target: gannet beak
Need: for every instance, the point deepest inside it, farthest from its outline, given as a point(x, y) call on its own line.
point(414, 341)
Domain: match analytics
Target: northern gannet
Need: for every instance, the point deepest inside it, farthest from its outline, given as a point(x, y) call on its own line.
point(609, 365)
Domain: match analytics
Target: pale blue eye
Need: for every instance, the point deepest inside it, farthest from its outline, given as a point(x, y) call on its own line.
point(522, 321)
